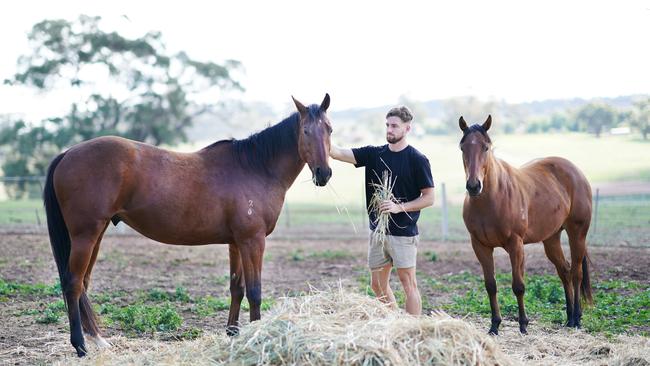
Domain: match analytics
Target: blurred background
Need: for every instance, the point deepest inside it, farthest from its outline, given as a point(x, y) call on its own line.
point(559, 79)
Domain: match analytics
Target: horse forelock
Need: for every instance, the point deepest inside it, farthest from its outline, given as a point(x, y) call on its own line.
point(475, 128)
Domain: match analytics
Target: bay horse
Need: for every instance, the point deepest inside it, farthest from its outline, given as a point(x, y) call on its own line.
point(509, 207)
point(230, 192)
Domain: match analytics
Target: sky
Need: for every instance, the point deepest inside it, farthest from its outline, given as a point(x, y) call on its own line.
point(369, 53)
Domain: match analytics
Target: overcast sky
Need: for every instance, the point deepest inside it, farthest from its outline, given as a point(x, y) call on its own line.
point(368, 53)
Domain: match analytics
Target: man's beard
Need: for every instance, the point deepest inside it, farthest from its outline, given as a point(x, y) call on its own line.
point(393, 139)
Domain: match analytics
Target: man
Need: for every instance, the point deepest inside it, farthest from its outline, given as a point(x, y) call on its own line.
point(413, 188)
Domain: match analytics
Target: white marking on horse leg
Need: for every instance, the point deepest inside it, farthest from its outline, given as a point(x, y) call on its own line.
point(99, 341)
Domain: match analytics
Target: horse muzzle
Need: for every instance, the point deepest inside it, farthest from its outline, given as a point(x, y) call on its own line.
point(322, 176)
point(474, 189)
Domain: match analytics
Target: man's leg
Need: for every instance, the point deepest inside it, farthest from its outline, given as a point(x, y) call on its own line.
point(404, 251)
point(379, 280)
point(410, 285)
point(380, 265)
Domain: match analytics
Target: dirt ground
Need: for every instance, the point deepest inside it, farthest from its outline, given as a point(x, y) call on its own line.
point(134, 263)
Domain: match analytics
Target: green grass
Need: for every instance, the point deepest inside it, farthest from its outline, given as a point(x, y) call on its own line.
point(159, 295)
point(25, 289)
point(297, 255)
point(52, 312)
point(619, 306)
point(143, 318)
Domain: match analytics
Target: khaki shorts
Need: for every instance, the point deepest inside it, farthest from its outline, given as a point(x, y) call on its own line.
point(400, 250)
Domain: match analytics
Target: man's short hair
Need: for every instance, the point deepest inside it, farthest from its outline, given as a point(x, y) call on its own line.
point(401, 112)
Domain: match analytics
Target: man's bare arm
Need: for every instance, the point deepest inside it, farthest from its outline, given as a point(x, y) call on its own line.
point(425, 200)
point(342, 154)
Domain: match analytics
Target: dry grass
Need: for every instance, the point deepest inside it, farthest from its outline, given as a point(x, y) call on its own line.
point(332, 327)
point(336, 327)
point(382, 192)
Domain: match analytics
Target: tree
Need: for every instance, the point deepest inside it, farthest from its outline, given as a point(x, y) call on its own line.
point(151, 94)
point(640, 117)
point(595, 117)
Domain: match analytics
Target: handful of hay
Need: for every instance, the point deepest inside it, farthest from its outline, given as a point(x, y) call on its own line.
point(383, 192)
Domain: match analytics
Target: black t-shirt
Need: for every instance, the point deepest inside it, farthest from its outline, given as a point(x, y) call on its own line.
point(411, 172)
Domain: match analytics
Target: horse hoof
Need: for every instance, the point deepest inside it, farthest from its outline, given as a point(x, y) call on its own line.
point(232, 331)
point(493, 332)
point(81, 351)
point(523, 330)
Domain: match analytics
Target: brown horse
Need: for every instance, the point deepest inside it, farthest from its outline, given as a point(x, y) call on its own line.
point(230, 192)
point(508, 207)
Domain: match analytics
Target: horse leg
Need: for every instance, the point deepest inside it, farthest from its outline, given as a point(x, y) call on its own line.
point(553, 250)
point(88, 317)
point(515, 249)
point(83, 240)
point(485, 257)
point(251, 251)
point(577, 241)
point(236, 290)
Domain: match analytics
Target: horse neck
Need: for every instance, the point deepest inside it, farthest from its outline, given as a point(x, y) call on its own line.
point(495, 177)
point(287, 167)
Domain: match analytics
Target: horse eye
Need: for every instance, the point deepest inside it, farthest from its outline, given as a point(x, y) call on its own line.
point(306, 132)
point(485, 148)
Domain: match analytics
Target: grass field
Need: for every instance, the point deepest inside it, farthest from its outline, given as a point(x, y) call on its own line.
point(622, 220)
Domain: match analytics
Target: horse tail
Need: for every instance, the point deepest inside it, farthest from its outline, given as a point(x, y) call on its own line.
point(60, 243)
point(59, 236)
point(585, 286)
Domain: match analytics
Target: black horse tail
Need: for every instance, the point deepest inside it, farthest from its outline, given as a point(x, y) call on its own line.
point(585, 286)
point(60, 243)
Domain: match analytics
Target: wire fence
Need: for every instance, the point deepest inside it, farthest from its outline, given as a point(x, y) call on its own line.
point(618, 219)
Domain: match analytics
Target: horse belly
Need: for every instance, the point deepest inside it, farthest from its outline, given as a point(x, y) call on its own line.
point(181, 230)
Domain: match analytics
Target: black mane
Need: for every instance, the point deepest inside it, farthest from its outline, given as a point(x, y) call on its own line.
point(475, 128)
point(258, 150)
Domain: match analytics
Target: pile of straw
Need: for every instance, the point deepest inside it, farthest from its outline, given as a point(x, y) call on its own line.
point(327, 328)
point(336, 327)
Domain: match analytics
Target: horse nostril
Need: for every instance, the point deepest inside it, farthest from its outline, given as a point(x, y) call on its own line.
point(317, 171)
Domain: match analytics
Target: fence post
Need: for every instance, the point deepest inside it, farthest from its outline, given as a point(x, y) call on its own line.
point(287, 214)
point(38, 218)
point(444, 221)
point(596, 211)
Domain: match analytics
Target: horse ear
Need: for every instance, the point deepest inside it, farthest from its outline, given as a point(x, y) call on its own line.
point(488, 123)
point(301, 108)
point(326, 103)
point(462, 124)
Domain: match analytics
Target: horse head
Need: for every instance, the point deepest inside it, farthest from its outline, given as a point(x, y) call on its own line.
point(476, 147)
point(314, 133)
